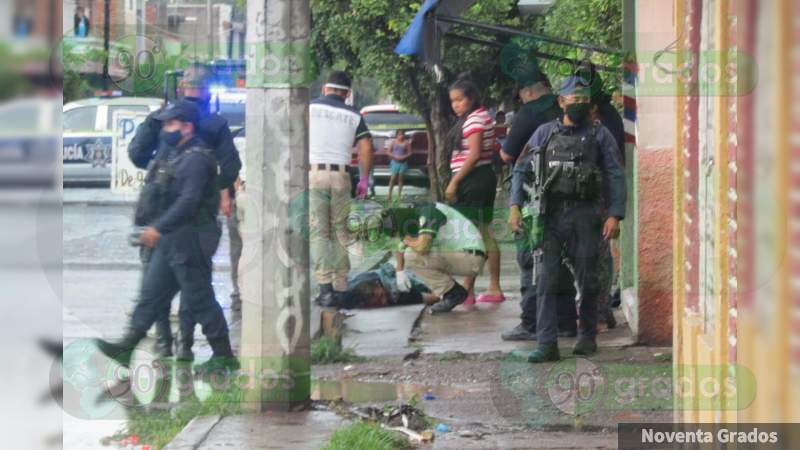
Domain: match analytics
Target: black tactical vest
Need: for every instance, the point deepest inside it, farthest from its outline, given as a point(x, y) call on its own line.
point(574, 162)
point(154, 197)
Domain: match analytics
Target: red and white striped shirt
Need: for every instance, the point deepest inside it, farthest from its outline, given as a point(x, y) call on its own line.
point(479, 121)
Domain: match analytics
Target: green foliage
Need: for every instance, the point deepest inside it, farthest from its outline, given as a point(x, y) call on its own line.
point(595, 22)
point(76, 85)
point(363, 435)
point(327, 350)
point(158, 427)
point(360, 36)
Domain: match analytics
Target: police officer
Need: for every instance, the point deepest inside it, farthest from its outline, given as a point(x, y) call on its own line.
point(214, 131)
point(607, 114)
point(334, 128)
point(577, 154)
point(183, 238)
point(540, 106)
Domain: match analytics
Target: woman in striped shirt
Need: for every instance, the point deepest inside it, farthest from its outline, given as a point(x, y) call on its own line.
point(473, 183)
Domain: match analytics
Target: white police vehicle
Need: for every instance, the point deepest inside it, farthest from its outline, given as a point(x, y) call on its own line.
point(29, 142)
point(87, 125)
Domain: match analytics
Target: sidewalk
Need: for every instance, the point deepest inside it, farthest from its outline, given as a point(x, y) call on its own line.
point(461, 373)
point(467, 329)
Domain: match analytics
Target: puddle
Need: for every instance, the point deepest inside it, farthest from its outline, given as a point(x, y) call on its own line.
point(363, 392)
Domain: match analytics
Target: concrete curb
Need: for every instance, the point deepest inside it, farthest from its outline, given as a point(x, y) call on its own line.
point(194, 433)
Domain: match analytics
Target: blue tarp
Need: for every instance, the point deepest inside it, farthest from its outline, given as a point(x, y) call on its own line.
point(412, 41)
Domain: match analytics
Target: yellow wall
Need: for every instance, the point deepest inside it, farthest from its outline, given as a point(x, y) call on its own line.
point(762, 341)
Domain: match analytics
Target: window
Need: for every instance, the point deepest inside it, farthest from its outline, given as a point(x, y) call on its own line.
point(234, 113)
point(81, 119)
point(391, 118)
point(127, 108)
point(19, 118)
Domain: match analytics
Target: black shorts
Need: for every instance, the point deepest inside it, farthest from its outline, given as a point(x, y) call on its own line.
point(475, 195)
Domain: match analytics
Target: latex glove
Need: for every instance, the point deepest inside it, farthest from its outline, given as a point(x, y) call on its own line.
point(362, 188)
point(403, 281)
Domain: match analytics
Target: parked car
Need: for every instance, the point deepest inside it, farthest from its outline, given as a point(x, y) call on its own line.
point(29, 142)
point(383, 122)
point(87, 125)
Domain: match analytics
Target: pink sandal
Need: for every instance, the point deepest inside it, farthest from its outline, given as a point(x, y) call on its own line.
point(489, 298)
point(470, 300)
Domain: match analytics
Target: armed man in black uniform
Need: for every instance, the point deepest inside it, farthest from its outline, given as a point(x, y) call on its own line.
point(571, 160)
point(540, 107)
point(214, 131)
point(183, 238)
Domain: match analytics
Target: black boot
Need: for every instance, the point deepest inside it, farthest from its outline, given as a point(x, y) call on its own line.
point(326, 295)
point(122, 350)
point(544, 353)
point(452, 298)
point(222, 359)
point(519, 333)
point(185, 348)
point(585, 347)
point(163, 346)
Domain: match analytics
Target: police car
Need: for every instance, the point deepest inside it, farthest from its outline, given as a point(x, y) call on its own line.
point(87, 124)
point(29, 142)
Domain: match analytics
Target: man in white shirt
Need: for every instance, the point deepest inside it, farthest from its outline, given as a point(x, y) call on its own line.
point(334, 128)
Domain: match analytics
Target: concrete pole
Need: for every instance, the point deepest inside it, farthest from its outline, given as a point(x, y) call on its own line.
point(209, 16)
point(274, 270)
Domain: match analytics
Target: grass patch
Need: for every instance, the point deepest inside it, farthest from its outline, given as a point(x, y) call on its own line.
point(326, 350)
point(158, 427)
point(365, 436)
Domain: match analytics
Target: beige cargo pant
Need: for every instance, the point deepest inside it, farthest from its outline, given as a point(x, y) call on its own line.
point(438, 267)
point(328, 208)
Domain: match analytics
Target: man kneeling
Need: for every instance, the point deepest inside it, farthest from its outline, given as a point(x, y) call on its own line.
point(438, 243)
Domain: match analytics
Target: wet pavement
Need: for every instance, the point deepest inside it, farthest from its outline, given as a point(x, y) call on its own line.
point(275, 431)
point(381, 331)
point(463, 377)
point(97, 279)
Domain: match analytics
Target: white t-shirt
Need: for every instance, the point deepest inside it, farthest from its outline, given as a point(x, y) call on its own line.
point(334, 128)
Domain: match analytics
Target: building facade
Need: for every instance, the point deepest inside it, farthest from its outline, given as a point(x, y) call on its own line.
point(736, 266)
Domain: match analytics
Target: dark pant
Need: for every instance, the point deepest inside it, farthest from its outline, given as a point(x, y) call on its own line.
point(567, 314)
point(574, 230)
point(181, 262)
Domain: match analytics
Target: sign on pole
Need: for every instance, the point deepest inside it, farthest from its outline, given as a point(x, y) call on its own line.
point(125, 177)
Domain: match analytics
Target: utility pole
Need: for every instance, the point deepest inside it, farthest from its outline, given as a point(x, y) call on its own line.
point(275, 274)
point(106, 38)
point(209, 15)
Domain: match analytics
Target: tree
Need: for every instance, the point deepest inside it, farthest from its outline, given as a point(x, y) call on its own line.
point(596, 22)
point(360, 35)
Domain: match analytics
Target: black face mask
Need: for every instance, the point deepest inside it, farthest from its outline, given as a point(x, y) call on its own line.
point(578, 112)
point(171, 138)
